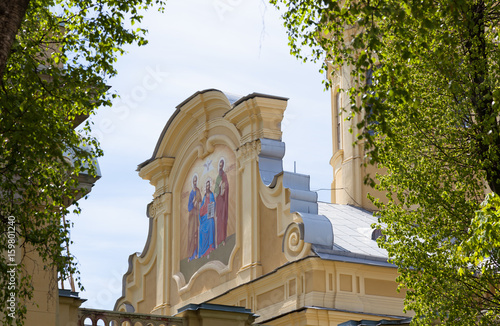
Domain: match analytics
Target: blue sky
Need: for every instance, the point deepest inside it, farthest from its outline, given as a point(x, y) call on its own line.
point(236, 46)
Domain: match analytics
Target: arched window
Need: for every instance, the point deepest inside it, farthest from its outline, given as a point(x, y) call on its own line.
point(339, 119)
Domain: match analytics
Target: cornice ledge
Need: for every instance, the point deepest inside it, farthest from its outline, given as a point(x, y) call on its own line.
point(160, 165)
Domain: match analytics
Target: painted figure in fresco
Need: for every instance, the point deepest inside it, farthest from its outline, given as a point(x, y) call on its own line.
point(221, 191)
point(207, 225)
point(193, 219)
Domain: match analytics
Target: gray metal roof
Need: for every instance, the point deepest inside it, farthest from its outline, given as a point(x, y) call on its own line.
point(232, 98)
point(271, 160)
point(352, 227)
point(400, 319)
point(354, 237)
point(271, 167)
point(85, 178)
point(337, 232)
point(404, 321)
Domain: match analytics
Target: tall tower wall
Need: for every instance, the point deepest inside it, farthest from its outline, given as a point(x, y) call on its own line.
point(348, 159)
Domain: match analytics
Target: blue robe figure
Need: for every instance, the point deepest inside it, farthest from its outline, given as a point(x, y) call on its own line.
point(206, 241)
point(194, 220)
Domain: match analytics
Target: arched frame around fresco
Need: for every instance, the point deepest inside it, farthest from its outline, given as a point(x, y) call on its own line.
point(221, 260)
point(222, 231)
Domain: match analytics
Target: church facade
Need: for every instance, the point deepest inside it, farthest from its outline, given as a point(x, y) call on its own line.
point(229, 227)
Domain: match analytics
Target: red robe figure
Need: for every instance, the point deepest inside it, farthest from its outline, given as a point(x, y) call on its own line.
point(221, 203)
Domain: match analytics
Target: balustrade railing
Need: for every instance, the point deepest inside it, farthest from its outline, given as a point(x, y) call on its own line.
point(95, 317)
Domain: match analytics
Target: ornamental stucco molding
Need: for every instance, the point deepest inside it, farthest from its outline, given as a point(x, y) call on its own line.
point(161, 204)
point(248, 152)
point(214, 265)
point(157, 169)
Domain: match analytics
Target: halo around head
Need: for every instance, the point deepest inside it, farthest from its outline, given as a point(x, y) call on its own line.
point(222, 159)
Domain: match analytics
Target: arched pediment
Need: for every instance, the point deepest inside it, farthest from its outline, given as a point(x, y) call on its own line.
point(190, 117)
point(211, 117)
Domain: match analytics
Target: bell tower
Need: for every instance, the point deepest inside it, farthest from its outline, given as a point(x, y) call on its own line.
point(347, 160)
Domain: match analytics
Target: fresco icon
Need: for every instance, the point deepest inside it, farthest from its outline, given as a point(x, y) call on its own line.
point(206, 242)
point(221, 202)
point(193, 219)
point(208, 210)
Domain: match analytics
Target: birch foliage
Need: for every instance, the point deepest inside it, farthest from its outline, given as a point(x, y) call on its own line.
point(55, 70)
point(425, 84)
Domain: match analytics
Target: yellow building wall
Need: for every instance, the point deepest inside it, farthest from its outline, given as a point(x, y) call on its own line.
point(203, 126)
point(359, 291)
point(270, 270)
point(270, 243)
point(42, 309)
point(47, 307)
point(348, 160)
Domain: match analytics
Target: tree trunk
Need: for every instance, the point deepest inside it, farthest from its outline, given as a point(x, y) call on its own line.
point(11, 15)
point(488, 138)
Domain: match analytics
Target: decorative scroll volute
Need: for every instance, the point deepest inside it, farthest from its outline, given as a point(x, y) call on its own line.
point(294, 247)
